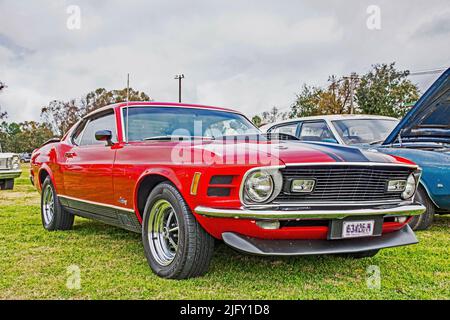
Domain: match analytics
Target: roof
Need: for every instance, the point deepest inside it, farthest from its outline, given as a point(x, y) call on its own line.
point(329, 117)
point(160, 104)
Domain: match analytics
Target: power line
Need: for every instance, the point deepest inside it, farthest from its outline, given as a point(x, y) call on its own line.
point(424, 72)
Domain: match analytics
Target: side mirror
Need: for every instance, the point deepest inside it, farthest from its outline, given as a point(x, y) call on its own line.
point(104, 135)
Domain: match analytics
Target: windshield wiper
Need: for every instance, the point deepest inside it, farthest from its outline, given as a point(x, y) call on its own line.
point(175, 138)
point(376, 142)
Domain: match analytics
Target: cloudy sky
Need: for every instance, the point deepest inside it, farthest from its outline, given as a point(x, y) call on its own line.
point(248, 55)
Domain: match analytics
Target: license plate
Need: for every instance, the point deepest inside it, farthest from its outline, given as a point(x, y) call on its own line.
point(353, 229)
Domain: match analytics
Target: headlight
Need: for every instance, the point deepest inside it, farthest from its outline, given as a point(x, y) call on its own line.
point(261, 186)
point(15, 162)
point(410, 187)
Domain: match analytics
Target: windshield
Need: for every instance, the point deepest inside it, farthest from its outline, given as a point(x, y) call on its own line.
point(364, 131)
point(154, 123)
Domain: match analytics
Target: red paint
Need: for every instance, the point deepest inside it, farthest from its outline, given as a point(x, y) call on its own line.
point(106, 174)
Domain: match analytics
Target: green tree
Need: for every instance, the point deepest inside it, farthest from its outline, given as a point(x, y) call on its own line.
point(62, 115)
point(257, 121)
point(386, 91)
point(306, 102)
point(23, 137)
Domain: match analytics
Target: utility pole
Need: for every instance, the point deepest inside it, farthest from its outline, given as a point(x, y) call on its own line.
point(352, 92)
point(353, 79)
point(179, 77)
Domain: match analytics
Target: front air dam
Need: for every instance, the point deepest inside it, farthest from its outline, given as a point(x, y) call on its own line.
point(266, 247)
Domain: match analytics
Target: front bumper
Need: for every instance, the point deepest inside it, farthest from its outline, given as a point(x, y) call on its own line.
point(10, 174)
point(267, 247)
point(326, 213)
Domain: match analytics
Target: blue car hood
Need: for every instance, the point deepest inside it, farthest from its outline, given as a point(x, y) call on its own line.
point(439, 159)
point(429, 119)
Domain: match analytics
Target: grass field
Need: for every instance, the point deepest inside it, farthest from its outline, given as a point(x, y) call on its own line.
point(34, 265)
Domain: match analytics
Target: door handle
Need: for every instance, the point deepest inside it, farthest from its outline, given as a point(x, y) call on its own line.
point(69, 154)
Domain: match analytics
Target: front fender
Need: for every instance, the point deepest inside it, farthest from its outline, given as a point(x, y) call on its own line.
point(167, 173)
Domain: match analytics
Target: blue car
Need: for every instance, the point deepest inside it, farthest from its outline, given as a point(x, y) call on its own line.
point(423, 136)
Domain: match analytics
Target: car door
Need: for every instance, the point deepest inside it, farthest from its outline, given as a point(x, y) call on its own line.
point(88, 165)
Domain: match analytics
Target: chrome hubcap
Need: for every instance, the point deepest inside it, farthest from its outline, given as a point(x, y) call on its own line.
point(48, 205)
point(163, 232)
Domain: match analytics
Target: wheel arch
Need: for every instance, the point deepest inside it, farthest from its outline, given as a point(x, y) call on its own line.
point(43, 173)
point(149, 180)
point(427, 192)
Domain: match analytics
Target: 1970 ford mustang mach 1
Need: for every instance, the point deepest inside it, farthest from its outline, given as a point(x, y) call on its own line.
point(184, 175)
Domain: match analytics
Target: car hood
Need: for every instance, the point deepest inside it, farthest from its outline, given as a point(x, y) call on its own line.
point(424, 158)
point(289, 152)
point(427, 121)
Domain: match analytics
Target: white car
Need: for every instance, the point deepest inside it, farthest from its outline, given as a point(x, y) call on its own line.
point(9, 170)
point(348, 129)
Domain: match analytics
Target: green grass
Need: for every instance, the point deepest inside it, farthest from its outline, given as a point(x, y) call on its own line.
point(34, 262)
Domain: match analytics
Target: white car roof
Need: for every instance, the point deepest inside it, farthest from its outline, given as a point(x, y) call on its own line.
point(329, 117)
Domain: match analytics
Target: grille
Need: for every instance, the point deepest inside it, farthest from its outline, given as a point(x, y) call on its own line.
point(343, 183)
point(4, 163)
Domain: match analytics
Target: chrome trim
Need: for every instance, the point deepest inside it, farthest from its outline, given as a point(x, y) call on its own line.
point(125, 139)
point(10, 174)
point(403, 210)
point(330, 203)
point(268, 168)
point(96, 203)
point(364, 164)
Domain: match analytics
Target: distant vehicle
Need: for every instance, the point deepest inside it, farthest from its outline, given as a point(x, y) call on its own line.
point(348, 129)
point(182, 175)
point(25, 157)
point(9, 170)
point(423, 136)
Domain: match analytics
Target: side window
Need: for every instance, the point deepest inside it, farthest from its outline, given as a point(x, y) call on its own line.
point(315, 131)
point(104, 122)
point(289, 128)
point(76, 136)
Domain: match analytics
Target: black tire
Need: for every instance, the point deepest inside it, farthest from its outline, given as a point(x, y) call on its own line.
point(7, 184)
point(360, 255)
point(192, 256)
point(60, 219)
point(423, 221)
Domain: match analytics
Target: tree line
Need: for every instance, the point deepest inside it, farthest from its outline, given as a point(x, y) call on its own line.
point(57, 117)
point(383, 90)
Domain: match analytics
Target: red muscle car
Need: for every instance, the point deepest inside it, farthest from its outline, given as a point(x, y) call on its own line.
point(183, 175)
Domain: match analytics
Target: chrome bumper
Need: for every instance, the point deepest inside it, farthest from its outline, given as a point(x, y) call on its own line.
point(399, 210)
point(10, 174)
point(267, 247)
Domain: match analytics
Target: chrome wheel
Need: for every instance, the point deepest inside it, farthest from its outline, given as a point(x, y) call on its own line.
point(48, 205)
point(163, 232)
